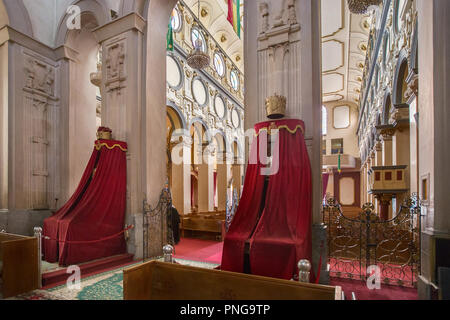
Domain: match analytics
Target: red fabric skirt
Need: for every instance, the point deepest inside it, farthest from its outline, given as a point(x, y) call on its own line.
point(84, 226)
point(282, 235)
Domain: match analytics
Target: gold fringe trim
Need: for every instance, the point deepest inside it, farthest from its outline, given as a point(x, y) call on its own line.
point(291, 131)
point(98, 146)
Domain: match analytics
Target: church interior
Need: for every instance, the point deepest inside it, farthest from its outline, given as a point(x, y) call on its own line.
point(224, 150)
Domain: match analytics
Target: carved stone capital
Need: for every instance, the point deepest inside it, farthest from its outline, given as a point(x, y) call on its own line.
point(378, 147)
point(413, 87)
point(386, 132)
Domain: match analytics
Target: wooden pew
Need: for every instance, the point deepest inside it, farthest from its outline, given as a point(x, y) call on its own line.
point(206, 223)
point(20, 264)
point(165, 281)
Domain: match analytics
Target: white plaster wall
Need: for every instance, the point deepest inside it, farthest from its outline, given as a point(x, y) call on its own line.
point(348, 134)
point(82, 107)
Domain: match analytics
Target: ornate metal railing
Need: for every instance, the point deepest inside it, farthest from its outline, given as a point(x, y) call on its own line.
point(355, 244)
point(156, 224)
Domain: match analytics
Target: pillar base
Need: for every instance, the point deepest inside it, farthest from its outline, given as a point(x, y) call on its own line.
point(319, 238)
point(3, 219)
point(427, 290)
point(135, 242)
point(22, 222)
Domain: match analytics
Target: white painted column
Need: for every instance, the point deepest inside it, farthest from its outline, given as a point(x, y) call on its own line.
point(387, 150)
point(4, 136)
point(181, 178)
point(206, 183)
point(434, 133)
point(123, 111)
point(222, 185)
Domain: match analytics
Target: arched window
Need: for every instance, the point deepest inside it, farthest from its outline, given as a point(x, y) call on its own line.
point(176, 20)
point(324, 121)
point(386, 48)
point(234, 79)
point(197, 34)
point(398, 14)
point(402, 83)
point(219, 64)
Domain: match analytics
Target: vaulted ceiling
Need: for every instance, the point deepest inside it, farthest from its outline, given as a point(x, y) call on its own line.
point(344, 46)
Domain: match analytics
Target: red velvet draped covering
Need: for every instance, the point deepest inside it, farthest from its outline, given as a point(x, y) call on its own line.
point(96, 212)
point(283, 233)
point(51, 225)
point(246, 215)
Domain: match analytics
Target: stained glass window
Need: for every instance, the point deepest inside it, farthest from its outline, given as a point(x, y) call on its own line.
point(234, 78)
point(197, 34)
point(219, 64)
point(176, 20)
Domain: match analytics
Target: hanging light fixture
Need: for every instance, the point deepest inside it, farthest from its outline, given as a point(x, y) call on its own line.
point(198, 59)
point(362, 6)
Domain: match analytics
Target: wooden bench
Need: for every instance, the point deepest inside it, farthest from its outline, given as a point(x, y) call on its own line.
point(19, 265)
point(205, 223)
point(165, 281)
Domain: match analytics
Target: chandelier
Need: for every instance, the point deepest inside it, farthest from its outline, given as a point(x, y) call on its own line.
point(362, 6)
point(198, 59)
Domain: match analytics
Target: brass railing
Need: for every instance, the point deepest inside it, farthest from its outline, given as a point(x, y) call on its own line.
point(355, 244)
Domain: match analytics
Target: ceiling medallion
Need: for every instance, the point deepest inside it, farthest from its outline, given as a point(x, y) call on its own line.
point(198, 59)
point(362, 6)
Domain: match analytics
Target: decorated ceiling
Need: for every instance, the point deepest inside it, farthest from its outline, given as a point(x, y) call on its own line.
point(213, 15)
point(344, 46)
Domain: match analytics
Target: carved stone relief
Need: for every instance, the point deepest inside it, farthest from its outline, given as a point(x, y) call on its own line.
point(39, 103)
point(115, 67)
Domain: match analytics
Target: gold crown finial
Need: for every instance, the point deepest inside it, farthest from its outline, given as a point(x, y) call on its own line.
point(276, 107)
point(104, 133)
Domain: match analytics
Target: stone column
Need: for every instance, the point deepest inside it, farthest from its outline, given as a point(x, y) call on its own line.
point(378, 154)
point(123, 110)
point(206, 183)
point(371, 164)
point(181, 178)
point(283, 56)
point(414, 144)
point(384, 204)
point(434, 133)
point(387, 150)
point(378, 161)
point(330, 188)
point(222, 185)
point(364, 187)
point(237, 178)
point(30, 132)
point(401, 156)
point(4, 136)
